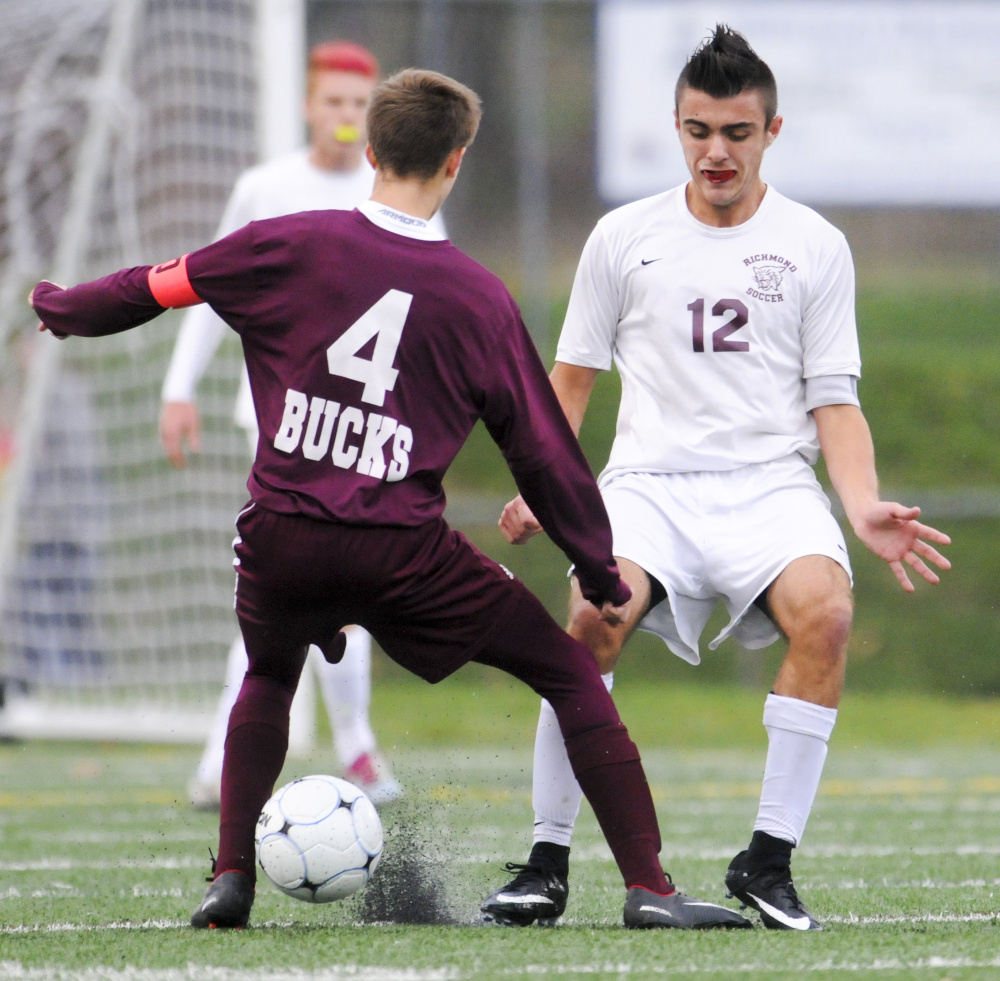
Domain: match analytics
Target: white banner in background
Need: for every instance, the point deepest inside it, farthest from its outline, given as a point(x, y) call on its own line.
point(885, 101)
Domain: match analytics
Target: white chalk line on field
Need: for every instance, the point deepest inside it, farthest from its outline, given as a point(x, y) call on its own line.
point(15, 971)
point(599, 852)
point(766, 970)
point(21, 929)
point(587, 853)
point(102, 865)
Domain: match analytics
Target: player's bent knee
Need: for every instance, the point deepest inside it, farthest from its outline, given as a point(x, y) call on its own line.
point(825, 623)
point(601, 639)
point(601, 746)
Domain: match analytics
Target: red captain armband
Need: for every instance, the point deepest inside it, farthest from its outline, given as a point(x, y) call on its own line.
point(170, 285)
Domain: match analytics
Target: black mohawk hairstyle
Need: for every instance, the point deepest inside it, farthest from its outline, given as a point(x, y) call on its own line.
point(725, 65)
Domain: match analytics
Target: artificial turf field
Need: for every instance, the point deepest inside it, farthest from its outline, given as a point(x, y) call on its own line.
point(102, 861)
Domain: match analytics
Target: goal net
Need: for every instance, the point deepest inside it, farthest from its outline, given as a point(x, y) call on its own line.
point(123, 125)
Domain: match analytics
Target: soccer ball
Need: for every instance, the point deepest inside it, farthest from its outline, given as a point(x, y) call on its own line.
point(319, 839)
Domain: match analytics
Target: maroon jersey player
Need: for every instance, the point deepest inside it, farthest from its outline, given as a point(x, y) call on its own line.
point(372, 350)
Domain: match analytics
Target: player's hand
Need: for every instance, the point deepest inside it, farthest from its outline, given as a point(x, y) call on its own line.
point(615, 615)
point(517, 522)
point(41, 327)
point(893, 533)
point(179, 424)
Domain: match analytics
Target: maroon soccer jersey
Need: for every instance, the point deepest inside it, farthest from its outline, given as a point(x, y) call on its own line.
point(371, 355)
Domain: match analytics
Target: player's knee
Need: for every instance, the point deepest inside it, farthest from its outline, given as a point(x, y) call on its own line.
point(826, 620)
point(603, 640)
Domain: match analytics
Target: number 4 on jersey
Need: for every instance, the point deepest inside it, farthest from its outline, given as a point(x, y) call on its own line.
point(384, 321)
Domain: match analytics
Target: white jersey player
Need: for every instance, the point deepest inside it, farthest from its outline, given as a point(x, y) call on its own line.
point(729, 313)
point(331, 173)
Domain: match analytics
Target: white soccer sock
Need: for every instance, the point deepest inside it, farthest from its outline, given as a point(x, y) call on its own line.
point(797, 734)
point(210, 766)
point(555, 794)
point(347, 689)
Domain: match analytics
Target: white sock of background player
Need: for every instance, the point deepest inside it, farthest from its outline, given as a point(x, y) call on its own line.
point(210, 766)
point(346, 688)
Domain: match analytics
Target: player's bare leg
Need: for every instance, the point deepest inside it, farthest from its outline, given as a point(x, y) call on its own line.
point(811, 601)
point(605, 641)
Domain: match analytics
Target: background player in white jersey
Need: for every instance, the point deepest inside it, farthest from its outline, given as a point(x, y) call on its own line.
point(729, 312)
point(331, 172)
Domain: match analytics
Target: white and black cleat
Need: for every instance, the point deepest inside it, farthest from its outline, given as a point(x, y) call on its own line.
point(645, 910)
point(533, 895)
point(772, 893)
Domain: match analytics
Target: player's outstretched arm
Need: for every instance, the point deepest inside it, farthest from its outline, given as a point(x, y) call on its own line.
point(889, 529)
point(115, 303)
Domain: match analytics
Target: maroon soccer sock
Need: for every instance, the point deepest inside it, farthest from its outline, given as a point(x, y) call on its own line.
point(256, 745)
point(530, 646)
point(607, 765)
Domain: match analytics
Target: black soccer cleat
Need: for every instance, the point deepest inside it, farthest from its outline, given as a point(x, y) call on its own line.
point(534, 894)
point(771, 892)
point(226, 905)
point(645, 910)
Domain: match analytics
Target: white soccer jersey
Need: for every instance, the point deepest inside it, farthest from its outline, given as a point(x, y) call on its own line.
point(713, 330)
point(284, 186)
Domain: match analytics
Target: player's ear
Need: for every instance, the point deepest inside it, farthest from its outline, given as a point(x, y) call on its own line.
point(677, 121)
point(774, 129)
point(454, 162)
point(370, 155)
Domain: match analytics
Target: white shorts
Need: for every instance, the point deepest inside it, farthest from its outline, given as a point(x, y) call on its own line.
point(719, 535)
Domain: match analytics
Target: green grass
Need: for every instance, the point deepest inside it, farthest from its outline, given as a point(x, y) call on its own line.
point(102, 861)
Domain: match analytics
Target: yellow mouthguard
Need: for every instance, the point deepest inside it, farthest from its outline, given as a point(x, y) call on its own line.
point(347, 134)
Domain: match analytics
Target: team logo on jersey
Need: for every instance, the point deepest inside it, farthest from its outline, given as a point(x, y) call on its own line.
point(768, 277)
point(768, 273)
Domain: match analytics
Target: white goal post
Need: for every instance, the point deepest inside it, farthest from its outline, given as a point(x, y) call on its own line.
point(123, 125)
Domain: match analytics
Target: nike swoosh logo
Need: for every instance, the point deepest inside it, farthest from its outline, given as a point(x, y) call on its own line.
point(792, 922)
point(524, 899)
point(209, 902)
point(646, 262)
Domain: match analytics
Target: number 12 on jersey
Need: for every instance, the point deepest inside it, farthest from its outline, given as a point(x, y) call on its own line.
point(720, 336)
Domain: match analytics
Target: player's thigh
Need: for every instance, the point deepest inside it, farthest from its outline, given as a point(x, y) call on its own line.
point(274, 652)
point(812, 596)
point(605, 640)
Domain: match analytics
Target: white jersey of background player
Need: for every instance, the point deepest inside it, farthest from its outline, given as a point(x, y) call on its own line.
point(331, 172)
point(729, 312)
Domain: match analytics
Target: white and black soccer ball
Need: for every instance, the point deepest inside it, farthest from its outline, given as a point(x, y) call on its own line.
point(319, 839)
